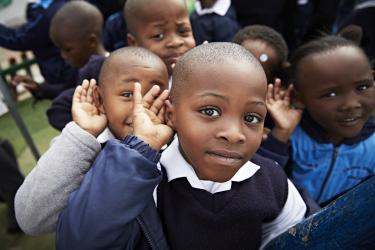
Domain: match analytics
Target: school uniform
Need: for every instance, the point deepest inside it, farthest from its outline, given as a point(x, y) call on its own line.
point(115, 32)
point(115, 204)
point(215, 24)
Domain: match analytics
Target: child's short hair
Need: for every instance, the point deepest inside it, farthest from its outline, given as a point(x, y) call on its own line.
point(267, 34)
point(314, 47)
point(125, 54)
point(81, 16)
point(210, 53)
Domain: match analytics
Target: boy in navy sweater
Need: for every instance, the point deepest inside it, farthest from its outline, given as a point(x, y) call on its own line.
point(208, 194)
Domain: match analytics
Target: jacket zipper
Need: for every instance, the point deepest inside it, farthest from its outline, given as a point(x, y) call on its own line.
point(146, 232)
point(328, 174)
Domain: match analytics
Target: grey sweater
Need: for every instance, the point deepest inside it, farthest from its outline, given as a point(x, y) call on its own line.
point(59, 172)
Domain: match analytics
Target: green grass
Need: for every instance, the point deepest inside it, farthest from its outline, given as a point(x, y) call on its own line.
point(41, 132)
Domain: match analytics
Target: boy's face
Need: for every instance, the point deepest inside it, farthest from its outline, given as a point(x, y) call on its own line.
point(116, 90)
point(337, 89)
point(75, 49)
point(266, 55)
point(165, 30)
point(219, 118)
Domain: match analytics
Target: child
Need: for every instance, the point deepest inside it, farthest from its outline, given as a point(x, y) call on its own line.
point(33, 35)
point(268, 46)
point(162, 27)
point(332, 146)
point(60, 170)
point(76, 30)
point(209, 195)
point(214, 21)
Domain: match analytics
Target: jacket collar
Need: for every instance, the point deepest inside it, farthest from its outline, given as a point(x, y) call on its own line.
point(314, 130)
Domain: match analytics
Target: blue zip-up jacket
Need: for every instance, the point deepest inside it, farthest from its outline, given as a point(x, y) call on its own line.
point(131, 219)
point(34, 36)
point(324, 170)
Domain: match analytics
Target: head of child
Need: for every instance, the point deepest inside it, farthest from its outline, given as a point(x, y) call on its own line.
point(335, 84)
point(76, 29)
point(217, 108)
point(114, 95)
point(267, 45)
point(162, 26)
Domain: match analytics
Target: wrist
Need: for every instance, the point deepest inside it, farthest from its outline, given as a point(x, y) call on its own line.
point(142, 147)
point(280, 134)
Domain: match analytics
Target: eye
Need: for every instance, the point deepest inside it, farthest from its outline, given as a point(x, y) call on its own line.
point(363, 87)
point(184, 30)
point(330, 94)
point(210, 111)
point(252, 118)
point(127, 95)
point(158, 36)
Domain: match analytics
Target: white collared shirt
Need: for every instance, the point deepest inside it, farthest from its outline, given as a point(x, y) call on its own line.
point(105, 136)
point(293, 211)
point(221, 8)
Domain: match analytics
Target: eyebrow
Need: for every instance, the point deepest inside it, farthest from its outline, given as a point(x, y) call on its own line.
point(227, 100)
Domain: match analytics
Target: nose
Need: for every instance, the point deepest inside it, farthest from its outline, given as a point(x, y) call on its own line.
point(175, 41)
point(232, 132)
point(350, 101)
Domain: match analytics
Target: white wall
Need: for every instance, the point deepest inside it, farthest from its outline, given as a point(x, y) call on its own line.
point(14, 13)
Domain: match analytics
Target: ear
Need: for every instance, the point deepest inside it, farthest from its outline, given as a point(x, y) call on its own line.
point(298, 100)
point(170, 114)
point(98, 100)
point(131, 40)
point(93, 40)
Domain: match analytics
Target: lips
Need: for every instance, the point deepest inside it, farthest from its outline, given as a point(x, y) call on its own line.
point(350, 120)
point(224, 157)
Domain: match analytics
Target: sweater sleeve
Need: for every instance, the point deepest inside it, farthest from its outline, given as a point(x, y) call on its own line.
point(102, 212)
point(275, 150)
point(58, 172)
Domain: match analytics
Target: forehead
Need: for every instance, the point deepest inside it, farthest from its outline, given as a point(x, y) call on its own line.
point(229, 77)
point(64, 33)
point(337, 67)
point(131, 65)
point(163, 11)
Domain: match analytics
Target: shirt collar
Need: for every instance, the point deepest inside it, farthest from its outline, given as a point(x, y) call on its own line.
point(105, 136)
point(177, 167)
point(44, 3)
point(221, 7)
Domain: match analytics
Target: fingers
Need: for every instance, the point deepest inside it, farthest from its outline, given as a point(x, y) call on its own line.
point(137, 97)
point(90, 90)
point(159, 102)
point(269, 97)
point(77, 94)
point(276, 91)
point(150, 96)
point(85, 85)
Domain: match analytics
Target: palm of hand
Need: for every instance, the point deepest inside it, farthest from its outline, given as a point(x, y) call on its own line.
point(87, 115)
point(148, 125)
point(283, 115)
